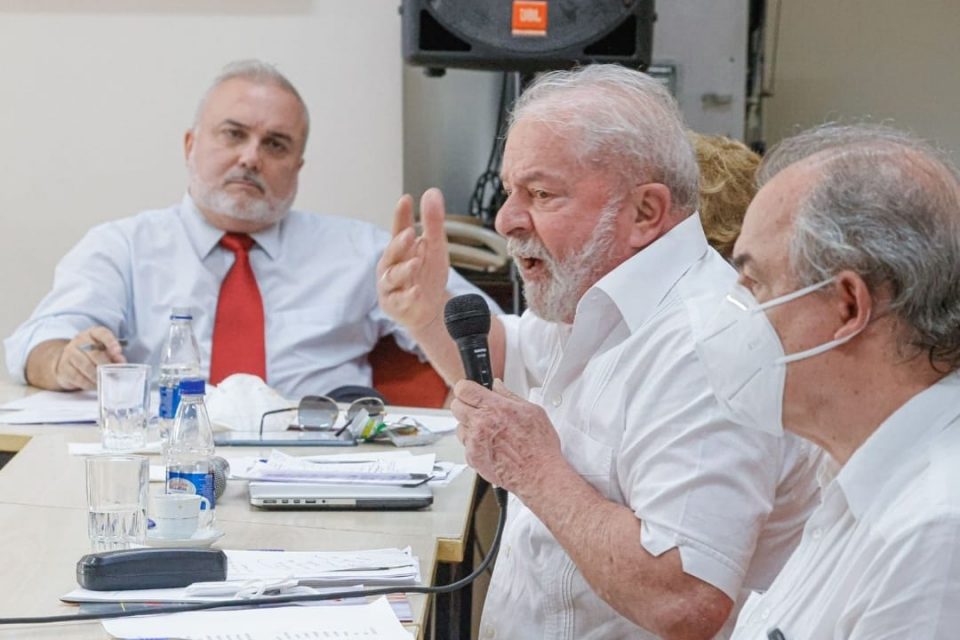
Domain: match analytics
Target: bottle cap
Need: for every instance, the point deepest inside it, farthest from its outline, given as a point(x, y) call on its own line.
point(193, 386)
point(181, 313)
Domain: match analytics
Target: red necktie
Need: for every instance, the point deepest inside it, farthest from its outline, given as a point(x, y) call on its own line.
point(238, 342)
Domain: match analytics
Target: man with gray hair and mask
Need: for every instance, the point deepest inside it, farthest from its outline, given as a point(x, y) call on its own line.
point(845, 329)
point(637, 510)
point(286, 295)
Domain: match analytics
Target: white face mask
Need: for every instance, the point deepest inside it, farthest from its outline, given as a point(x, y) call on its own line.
point(744, 357)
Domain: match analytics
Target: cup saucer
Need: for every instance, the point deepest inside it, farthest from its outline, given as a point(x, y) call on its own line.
point(203, 538)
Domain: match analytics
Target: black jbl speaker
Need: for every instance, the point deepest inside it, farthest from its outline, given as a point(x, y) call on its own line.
point(527, 35)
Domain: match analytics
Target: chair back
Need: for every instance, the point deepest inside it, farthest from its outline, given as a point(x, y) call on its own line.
point(403, 379)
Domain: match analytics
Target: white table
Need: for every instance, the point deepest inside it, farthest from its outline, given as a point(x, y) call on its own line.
point(43, 523)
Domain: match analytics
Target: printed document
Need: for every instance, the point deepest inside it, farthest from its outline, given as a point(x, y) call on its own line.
point(375, 620)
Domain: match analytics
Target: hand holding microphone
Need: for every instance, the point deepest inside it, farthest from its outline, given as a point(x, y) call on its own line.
point(507, 439)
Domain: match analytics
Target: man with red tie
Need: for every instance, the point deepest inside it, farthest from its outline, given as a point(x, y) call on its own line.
point(287, 295)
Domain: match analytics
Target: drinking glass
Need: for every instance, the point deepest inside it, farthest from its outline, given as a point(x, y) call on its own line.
point(116, 500)
point(123, 392)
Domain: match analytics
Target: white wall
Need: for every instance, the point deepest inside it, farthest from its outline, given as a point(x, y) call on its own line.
point(449, 125)
point(707, 41)
point(97, 94)
point(895, 61)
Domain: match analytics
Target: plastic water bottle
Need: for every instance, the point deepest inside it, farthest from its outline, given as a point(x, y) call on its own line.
point(180, 359)
point(190, 449)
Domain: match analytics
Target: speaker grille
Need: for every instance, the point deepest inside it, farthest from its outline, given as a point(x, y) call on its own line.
point(478, 34)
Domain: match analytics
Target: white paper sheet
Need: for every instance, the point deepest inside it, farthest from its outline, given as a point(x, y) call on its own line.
point(324, 568)
point(78, 400)
point(51, 415)
point(176, 595)
point(435, 423)
point(59, 407)
point(95, 448)
point(395, 467)
point(375, 620)
point(400, 603)
point(445, 472)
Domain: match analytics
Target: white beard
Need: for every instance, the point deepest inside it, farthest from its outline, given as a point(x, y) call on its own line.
point(266, 211)
point(569, 278)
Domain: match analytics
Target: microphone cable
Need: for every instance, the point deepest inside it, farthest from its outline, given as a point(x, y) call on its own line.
point(501, 497)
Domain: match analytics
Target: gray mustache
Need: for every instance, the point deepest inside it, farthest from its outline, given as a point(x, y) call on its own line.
point(247, 177)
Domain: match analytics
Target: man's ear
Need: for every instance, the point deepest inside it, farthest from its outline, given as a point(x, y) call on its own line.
point(854, 303)
point(187, 144)
point(651, 206)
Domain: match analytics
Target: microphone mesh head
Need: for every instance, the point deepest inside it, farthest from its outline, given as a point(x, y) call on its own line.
point(221, 471)
point(467, 315)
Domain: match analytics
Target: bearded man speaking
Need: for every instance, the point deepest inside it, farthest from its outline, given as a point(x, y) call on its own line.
point(637, 509)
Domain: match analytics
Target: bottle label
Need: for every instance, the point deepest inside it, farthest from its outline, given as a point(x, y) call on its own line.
point(194, 483)
point(169, 401)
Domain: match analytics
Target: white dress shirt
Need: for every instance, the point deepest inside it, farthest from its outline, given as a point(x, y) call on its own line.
point(637, 418)
point(880, 558)
point(316, 274)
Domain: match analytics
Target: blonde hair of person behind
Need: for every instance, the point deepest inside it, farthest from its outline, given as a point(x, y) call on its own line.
point(727, 185)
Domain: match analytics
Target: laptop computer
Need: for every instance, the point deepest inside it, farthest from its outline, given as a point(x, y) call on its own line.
point(291, 495)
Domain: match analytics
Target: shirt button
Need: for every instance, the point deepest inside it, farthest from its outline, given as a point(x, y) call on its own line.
point(817, 533)
point(556, 400)
point(765, 614)
point(488, 631)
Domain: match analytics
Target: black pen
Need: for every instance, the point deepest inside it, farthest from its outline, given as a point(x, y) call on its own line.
point(775, 634)
point(98, 346)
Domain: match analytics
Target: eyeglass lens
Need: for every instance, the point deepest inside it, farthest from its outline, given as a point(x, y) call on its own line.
point(317, 412)
point(373, 407)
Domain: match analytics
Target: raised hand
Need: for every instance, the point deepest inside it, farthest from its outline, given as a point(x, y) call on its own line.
point(412, 273)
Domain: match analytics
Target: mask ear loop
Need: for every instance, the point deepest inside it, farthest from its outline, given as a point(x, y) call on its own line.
point(799, 293)
point(826, 346)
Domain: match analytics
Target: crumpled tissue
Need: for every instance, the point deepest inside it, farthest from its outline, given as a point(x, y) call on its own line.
point(240, 399)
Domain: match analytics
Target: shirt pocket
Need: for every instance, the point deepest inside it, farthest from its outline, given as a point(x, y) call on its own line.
point(591, 458)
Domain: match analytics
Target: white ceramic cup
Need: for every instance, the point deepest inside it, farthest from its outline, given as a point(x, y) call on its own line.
point(175, 515)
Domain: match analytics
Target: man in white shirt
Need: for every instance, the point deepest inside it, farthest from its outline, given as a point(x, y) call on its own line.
point(315, 274)
point(849, 265)
point(637, 510)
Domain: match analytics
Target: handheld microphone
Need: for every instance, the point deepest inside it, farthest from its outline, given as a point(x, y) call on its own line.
point(221, 471)
point(468, 322)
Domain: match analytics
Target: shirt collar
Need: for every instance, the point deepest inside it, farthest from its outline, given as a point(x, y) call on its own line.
point(906, 430)
point(205, 237)
point(269, 239)
point(639, 284)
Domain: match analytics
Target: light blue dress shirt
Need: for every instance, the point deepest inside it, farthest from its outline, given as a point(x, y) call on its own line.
point(316, 273)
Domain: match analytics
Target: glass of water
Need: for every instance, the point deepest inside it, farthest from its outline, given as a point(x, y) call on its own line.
point(123, 392)
point(117, 500)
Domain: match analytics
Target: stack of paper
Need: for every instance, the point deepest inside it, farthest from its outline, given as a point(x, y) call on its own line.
point(59, 407)
point(183, 595)
point(327, 568)
point(51, 407)
point(260, 571)
point(375, 620)
point(394, 467)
